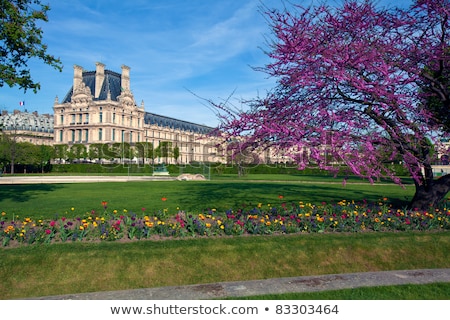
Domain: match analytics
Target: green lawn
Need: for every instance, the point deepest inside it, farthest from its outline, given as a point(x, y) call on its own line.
point(47, 200)
point(64, 268)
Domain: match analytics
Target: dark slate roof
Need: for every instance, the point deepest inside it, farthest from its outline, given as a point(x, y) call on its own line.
point(26, 121)
point(163, 121)
point(111, 83)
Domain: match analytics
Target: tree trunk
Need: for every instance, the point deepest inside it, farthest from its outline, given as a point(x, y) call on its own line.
point(430, 194)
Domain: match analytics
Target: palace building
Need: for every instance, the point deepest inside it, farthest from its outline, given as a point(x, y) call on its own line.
point(100, 108)
point(28, 127)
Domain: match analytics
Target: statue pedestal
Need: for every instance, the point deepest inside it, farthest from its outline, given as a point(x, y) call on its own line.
point(160, 170)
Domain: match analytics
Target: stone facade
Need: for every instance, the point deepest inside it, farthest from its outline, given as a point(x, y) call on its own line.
point(101, 109)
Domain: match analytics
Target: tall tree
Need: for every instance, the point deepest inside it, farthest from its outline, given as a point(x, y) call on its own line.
point(27, 154)
point(118, 150)
point(78, 151)
point(21, 40)
point(109, 152)
point(46, 153)
point(61, 151)
point(349, 80)
point(176, 153)
point(144, 150)
point(165, 150)
point(5, 150)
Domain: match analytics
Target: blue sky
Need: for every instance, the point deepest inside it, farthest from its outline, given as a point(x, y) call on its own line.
point(177, 50)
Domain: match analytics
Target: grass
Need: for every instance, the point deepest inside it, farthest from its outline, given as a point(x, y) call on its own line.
point(86, 267)
point(301, 178)
point(49, 200)
point(42, 270)
point(433, 291)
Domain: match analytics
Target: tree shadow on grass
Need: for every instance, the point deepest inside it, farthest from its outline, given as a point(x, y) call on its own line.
point(23, 193)
point(237, 194)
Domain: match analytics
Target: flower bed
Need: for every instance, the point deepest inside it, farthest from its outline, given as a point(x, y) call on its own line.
point(283, 218)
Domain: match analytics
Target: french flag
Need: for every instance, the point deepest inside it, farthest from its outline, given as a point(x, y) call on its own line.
point(21, 103)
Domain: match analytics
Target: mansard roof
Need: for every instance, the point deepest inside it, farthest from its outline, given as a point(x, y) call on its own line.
point(26, 121)
point(163, 121)
point(111, 83)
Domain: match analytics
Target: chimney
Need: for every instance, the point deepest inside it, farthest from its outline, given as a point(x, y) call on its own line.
point(99, 77)
point(77, 76)
point(125, 79)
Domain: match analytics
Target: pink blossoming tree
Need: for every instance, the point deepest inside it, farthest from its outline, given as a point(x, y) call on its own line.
point(351, 90)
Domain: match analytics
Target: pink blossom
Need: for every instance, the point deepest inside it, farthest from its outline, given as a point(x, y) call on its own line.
point(348, 91)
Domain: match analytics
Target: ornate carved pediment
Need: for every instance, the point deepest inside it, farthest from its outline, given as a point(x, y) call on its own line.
point(81, 94)
point(126, 98)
